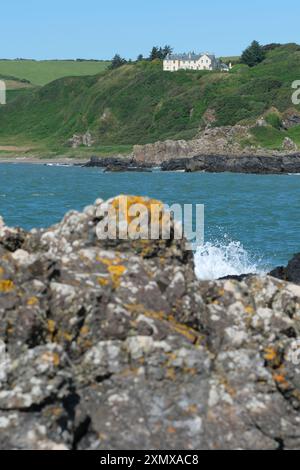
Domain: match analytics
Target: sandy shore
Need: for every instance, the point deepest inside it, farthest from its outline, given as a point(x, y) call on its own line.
point(43, 161)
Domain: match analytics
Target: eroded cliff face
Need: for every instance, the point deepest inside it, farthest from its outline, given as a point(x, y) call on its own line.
point(116, 344)
point(160, 152)
point(219, 141)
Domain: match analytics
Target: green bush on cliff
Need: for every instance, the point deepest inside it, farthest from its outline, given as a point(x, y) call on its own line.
point(274, 120)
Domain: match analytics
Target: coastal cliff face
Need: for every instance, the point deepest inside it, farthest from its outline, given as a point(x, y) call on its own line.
point(219, 141)
point(117, 345)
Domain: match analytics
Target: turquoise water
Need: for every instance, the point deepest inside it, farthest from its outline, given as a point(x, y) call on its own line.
point(260, 214)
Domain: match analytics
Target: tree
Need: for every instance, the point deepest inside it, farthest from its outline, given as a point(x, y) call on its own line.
point(140, 57)
point(117, 62)
point(253, 55)
point(160, 52)
point(154, 54)
point(167, 50)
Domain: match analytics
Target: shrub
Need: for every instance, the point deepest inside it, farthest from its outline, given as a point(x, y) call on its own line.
point(274, 120)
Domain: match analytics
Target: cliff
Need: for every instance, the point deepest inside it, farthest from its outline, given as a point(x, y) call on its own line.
point(227, 141)
point(117, 345)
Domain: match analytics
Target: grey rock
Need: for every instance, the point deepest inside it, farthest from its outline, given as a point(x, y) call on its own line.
point(114, 344)
point(289, 144)
point(289, 273)
point(276, 164)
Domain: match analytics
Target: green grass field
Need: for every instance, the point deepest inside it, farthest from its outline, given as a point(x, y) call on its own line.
point(43, 72)
point(139, 103)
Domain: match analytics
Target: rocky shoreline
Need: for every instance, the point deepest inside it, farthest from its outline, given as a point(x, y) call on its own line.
point(276, 164)
point(117, 345)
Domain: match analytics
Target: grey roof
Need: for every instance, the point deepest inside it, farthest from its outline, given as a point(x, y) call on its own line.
point(190, 56)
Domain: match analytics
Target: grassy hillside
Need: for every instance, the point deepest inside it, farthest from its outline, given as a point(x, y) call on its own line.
point(140, 103)
point(15, 87)
point(43, 72)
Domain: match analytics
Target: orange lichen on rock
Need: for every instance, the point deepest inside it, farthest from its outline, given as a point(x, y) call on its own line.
point(6, 286)
point(108, 261)
point(51, 358)
point(32, 301)
point(250, 310)
point(51, 326)
point(102, 281)
point(116, 272)
point(270, 354)
point(122, 205)
point(189, 333)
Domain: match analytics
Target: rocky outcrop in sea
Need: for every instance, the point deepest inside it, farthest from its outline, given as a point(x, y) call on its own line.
point(117, 345)
point(272, 164)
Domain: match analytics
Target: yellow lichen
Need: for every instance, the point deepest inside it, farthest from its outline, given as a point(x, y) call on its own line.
point(51, 326)
point(123, 204)
point(171, 373)
point(6, 286)
point(250, 310)
point(51, 358)
point(32, 301)
point(102, 281)
point(68, 337)
point(56, 359)
point(270, 354)
point(192, 409)
point(190, 334)
point(116, 272)
point(84, 331)
point(108, 261)
point(1, 272)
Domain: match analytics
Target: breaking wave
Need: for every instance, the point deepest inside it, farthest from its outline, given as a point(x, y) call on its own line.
point(214, 261)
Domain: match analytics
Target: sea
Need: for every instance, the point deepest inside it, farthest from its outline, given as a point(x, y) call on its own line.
point(252, 222)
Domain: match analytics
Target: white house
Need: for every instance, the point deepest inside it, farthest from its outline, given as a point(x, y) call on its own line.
point(192, 61)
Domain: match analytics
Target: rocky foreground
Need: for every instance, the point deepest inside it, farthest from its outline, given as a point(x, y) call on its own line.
point(117, 345)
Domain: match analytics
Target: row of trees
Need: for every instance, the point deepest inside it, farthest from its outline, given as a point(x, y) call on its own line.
point(156, 53)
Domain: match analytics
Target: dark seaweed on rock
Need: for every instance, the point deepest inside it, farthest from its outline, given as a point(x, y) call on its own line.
point(117, 345)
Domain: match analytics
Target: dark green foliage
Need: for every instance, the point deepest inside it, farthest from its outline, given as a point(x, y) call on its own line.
point(274, 120)
point(160, 52)
point(117, 62)
point(253, 55)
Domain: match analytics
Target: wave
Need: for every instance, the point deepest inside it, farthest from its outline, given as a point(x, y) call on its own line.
point(221, 259)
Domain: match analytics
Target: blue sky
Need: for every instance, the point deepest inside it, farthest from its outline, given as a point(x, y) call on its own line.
point(99, 28)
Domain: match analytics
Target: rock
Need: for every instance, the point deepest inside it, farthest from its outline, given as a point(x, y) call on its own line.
point(291, 118)
point(118, 164)
point(236, 164)
point(103, 162)
point(290, 273)
point(261, 122)
point(109, 344)
point(289, 144)
point(161, 151)
point(81, 139)
point(87, 139)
